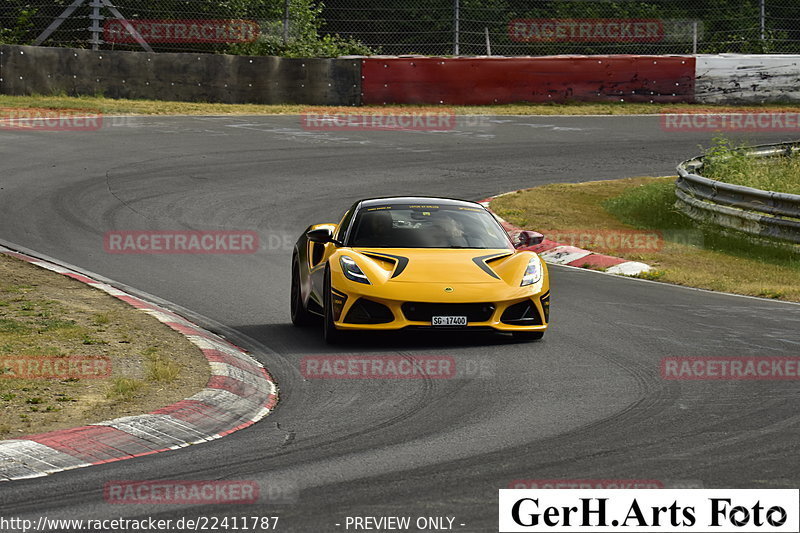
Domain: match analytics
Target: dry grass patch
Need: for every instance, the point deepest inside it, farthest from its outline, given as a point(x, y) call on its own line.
point(99, 104)
point(691, 256)
point(43, 314)
point(561, 206)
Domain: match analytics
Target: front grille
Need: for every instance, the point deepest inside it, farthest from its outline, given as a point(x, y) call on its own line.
point(366, 311)
point(450, 329)
point(423, 311)
point(521, 314)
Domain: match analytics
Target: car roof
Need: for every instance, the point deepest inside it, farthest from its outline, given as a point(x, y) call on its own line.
point(368, 202)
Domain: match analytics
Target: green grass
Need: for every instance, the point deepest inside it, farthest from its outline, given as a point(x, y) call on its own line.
point(651, 206)
point(17, 289)
point(159, 368)
point(648, 206)
point(87, 339)
point(124, 389)
point(101, 319)
point(725, 162)
point(10, 325)
point(50, 324)
point(778, 174)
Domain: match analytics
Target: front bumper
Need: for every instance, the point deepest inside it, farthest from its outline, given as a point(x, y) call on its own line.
point(520, 309)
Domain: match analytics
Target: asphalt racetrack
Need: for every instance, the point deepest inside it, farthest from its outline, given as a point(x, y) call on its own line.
point(587, 402)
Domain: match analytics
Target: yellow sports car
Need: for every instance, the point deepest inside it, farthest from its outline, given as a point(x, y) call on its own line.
point(416, 262)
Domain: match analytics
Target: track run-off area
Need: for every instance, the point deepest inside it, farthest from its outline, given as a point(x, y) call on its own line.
point(587, 402)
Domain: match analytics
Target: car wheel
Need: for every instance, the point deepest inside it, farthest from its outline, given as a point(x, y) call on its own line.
point(331, 334)
point(300, 314)
point(528, 335)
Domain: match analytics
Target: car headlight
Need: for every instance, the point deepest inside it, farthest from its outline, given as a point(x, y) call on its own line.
point(351, 271)
point(533, 272)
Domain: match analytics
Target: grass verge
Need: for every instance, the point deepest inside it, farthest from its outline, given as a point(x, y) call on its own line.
point(686, 254)
point(47, 319)
point(98, 104)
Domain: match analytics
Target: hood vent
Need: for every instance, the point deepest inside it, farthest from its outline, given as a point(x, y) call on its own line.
point(399, 261)
point(484, 259)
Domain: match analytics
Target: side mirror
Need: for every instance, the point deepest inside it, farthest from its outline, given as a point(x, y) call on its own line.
point(528, 238)
point(321, 236)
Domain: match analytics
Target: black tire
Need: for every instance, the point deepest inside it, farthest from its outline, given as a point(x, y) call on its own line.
point(528, 335)
point(330, 333)
point(300, 314)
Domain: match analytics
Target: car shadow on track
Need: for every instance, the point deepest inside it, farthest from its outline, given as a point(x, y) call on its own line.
point(287, 338)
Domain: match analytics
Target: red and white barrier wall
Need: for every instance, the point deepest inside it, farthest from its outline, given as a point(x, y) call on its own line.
point(726, 78)
point(505, 80)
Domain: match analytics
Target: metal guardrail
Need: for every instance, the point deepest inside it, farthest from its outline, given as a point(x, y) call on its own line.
point(762, 214)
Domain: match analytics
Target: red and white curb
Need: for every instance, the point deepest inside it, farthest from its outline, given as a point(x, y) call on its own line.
point(562, 254)
point(239, 393)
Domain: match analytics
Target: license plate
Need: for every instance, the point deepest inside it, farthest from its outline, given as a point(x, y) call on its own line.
point(449, 321)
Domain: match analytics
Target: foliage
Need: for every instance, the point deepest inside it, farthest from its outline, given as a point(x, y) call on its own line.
point(302, 40)
point(22, 22)
point(727, 162)
point(406, 26)
point(336, 27)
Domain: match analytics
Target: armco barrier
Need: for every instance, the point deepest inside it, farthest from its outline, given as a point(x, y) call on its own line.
point(183, 77)
point(755, 212)
point(504, 80)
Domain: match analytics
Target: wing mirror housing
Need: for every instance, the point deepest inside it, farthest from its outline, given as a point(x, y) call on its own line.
point(322, 236)
point(527, 238)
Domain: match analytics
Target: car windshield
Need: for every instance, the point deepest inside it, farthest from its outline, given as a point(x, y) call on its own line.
point(426, 226)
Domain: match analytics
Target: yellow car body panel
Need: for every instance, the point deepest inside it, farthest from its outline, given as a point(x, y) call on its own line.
point(439, 276)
